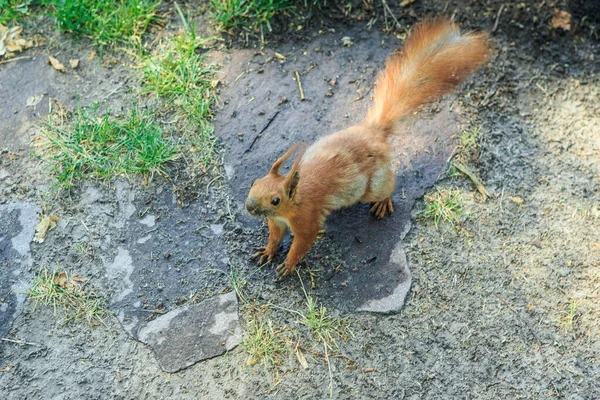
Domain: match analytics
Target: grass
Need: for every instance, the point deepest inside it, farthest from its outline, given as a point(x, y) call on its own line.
point(324, 327)
point(101, 147)
point(58, 289)
point(262, 342)
point(104, 21)
point(178, 75)
point(443, 205)
point(253, 14)
point(566, 322)
point(469, 147)
point(13, 10)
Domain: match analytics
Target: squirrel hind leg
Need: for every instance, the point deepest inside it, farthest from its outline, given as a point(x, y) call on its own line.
point(381, 208)
point(380, 191)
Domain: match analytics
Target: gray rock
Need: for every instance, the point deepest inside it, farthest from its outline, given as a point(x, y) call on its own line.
point(394, 301)
point(186, 335)
point(17, 228)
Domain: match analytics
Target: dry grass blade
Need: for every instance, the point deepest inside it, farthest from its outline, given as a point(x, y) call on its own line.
point(476, 181)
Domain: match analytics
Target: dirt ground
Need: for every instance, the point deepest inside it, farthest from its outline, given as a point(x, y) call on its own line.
point(505, 307)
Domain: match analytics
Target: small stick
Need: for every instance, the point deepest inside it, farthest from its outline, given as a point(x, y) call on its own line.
point(14, 59)
point(478, 184)
point(261, 131)
point(385, 4)
point(299, 85)
point(18, 341)
point(498, 18)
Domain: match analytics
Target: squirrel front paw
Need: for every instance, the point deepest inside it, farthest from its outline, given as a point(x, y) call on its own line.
point(264, 254)
point(284, 270)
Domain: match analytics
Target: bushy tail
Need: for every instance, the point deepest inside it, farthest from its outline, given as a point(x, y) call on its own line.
point(435, 58)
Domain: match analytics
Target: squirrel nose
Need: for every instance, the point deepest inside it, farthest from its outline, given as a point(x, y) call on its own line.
point(251, 205)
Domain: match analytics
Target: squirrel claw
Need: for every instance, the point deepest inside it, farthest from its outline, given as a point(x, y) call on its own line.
point(284, 270)
point(381, 208)
point(263, 255)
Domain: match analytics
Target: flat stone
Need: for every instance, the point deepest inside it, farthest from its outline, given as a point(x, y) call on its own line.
point(257, 126)
point(393, 302)
point(17, 228)
point(186, 335)
point(157, 254)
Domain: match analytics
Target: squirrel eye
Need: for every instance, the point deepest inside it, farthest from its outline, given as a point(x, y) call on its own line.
point(275, 201)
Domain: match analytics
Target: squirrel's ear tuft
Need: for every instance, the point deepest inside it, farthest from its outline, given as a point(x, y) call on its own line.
point(277, 164)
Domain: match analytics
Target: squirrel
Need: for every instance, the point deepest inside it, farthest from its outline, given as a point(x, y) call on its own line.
point(354, 164)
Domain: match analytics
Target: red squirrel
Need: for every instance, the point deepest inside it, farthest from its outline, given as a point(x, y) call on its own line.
point(354, 164)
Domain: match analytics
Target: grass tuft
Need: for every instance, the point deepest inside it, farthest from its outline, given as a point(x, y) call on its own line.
point(104, 21)
point(58, 289)
point(177, 74)
point(13, 10)
point(443, 205)
point(252, 14)
point(469, 148)
point(322, 325)
point(100, 147)
point(262, 342)
point(570, 316)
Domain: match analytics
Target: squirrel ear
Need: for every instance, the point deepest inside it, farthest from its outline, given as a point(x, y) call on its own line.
point(277, 164)
point(292, 183)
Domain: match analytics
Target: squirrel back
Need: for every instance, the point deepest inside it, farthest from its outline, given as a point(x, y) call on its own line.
point(434, 59)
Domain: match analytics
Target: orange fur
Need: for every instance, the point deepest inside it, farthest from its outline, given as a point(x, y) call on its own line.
point(354, 164)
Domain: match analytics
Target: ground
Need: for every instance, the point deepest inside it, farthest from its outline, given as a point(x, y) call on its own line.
point(504, 302)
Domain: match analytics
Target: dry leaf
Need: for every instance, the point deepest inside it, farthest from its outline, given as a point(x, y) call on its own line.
point(60, 280)
point(11, 41)
point(301, 358)
point(92, 55)
point(47, 222)
point(35, 100)
point(404, 3)
point(57, 65)
point(346, 41)
point(516, 200)
point(8, 368)
point(561, 19)
point(74, 63)
point(76, 282)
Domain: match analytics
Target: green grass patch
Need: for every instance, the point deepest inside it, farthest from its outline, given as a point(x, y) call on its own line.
point(323, 326)
point(13, 10)
point(177, 74)
point(443, 205)
point(253, 14)
point(104, 21)
point(60, 290)
point(101, 147)
point(262, 342)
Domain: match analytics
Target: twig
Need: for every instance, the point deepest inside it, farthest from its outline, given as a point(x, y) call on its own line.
point(150, 231)
point(299, 85)
point(329, 368)
point(506, 303)
point(20, 342)
point(15, 59)
point(498, 18)
point(476, 181)
point(385, 4)
point(264, 128)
